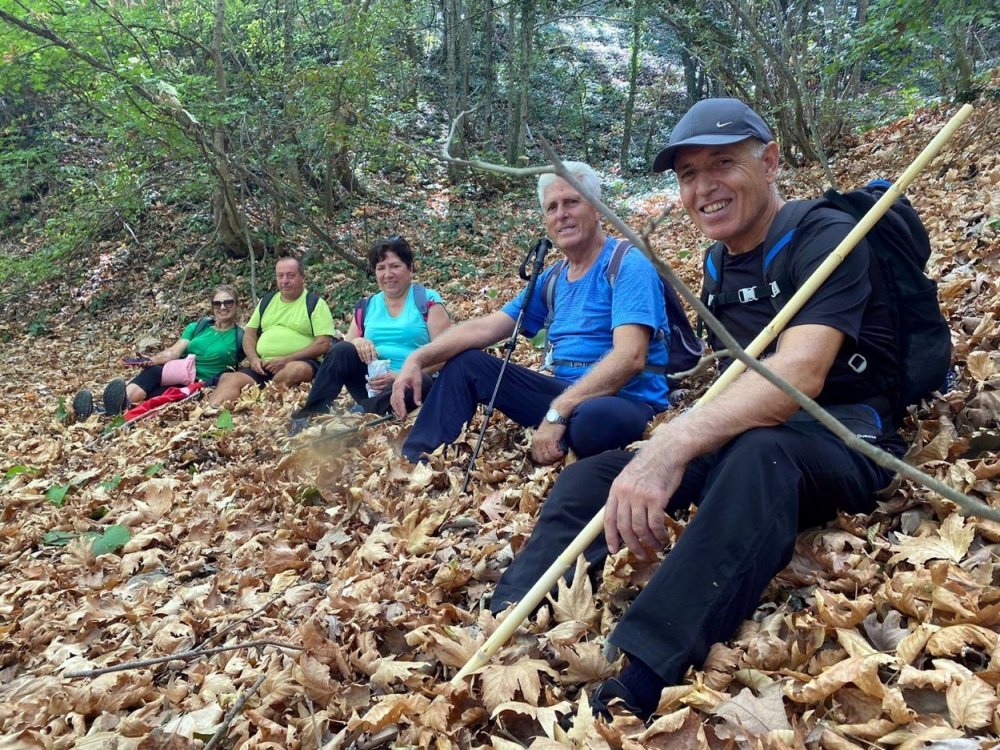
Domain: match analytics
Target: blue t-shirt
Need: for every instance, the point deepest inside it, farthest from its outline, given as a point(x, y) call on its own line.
point(587, 311)
point(396, 338)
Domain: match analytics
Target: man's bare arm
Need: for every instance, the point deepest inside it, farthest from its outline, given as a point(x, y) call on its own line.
point(639, 496)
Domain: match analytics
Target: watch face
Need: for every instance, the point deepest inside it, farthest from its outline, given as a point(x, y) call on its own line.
point(553, 416)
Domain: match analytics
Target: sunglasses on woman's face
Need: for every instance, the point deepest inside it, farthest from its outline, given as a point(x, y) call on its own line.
point(223, 302)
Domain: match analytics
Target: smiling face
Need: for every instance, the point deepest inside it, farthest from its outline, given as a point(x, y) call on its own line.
point(290, 280)
point(728, 190)
point(393, 275)
point(573, 224)
point(223, 308)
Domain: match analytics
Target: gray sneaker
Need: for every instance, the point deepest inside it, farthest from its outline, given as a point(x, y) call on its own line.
point(115, 401)
point(83, 404)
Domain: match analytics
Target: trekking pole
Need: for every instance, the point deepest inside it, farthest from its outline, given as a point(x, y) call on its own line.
point(595, 526)
point(337, 434)
point(536, 259)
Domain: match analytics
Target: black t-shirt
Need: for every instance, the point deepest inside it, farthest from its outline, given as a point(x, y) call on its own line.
point(853, 300)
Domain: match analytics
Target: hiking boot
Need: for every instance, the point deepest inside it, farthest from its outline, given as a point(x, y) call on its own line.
point(608, 691)
point(83, 404)
point(298, 425)
point(115, 401)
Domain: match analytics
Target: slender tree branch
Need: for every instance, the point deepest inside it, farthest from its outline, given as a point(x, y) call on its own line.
point(182, 656)
point(237, 707)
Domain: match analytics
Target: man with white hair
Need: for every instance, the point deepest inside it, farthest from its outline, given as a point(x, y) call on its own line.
point(607, 352)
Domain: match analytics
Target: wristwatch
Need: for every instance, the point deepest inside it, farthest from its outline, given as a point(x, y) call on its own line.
point(554, 417)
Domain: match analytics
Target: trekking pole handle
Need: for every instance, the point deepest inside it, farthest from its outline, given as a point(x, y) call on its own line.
point(536, 254)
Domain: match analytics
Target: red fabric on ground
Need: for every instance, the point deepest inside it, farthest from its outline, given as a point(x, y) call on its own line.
point(167, 397)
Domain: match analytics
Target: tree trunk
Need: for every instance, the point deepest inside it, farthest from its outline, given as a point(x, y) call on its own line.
point(489, 71)
point(229, 225)
point(633, 80)
point(521, 76)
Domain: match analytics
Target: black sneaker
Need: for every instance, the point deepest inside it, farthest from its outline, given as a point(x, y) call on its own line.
point(115, 401)
point(608, 691)
point(83, 404)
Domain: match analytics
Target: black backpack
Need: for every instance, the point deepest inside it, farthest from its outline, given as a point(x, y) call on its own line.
point(312, 300)
point(900, 243)
point(683, 347)
point(209, 320)
point(419, 299)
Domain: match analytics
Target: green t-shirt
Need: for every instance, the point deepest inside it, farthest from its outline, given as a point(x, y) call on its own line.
point(286, 327)
point(214, 351)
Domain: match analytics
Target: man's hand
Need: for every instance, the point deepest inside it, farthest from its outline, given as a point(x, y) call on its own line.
point(257, 365)
point(546, 443)
point(410, 377)
point(383, 382)
point(636, 510)
point(276, 365)
point(366, 350)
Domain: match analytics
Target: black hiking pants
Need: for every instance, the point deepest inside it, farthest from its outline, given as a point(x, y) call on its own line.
point(753, 495)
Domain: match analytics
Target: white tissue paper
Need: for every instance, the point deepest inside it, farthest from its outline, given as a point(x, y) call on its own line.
point(375, 368)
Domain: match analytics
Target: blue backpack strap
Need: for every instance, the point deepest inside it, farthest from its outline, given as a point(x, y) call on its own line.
point(615, 264)
point(549, 291)
point(779, 242)
point(420, 300)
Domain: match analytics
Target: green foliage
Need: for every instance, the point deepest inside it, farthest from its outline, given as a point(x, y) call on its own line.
point(17, 469)
point(155, 469)
point(930, 47)
point(56, 494)
point(61, 538)
point(113, 539)
point(39, 326)
point(224, 421)
point(61, 411)
point(112, 484)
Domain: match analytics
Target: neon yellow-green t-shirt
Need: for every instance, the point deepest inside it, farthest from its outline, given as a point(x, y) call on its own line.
point(286, 327)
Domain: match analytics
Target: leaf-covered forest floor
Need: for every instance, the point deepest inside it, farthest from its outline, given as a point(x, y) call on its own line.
point(348, 586)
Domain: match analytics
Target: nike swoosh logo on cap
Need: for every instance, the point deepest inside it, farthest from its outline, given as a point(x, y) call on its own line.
point(723, 124)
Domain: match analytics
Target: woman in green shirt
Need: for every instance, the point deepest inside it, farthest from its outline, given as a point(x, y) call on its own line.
point(216, 342)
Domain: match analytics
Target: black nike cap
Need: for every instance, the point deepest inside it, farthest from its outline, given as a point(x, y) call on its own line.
point(713, 122)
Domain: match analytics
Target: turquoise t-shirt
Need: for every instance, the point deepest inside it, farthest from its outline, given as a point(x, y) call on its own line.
point(396, 338)
point(214, 351)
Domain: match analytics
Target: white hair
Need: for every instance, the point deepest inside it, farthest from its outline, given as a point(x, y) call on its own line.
point(582, 172)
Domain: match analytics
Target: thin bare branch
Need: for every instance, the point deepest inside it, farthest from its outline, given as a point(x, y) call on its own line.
point(182, 656)
point(237, 707)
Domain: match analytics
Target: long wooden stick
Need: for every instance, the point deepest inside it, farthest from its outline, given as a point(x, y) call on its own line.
point(596, 525)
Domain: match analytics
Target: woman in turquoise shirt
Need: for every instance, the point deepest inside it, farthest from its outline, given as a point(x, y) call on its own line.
point(402, 317)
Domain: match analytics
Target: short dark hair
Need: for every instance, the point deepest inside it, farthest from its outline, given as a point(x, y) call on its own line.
point(394, 244)
point(298, 264)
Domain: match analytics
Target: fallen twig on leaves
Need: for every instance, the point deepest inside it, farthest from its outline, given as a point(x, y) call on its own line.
point(182, 656)
point(237, 707)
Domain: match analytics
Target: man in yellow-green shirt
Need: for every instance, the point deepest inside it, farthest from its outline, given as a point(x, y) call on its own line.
point(289, 332)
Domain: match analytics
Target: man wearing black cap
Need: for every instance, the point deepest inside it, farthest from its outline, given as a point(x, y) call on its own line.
point(758, 469)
